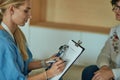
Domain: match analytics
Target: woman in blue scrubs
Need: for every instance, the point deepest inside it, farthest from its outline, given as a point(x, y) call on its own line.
point(15, 57)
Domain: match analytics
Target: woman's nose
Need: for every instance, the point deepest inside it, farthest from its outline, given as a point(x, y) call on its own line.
point(29, 15)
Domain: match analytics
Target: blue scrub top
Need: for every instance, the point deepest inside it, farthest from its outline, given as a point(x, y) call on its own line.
point(12, 65)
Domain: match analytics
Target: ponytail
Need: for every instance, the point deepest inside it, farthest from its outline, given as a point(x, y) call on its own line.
point(1, 16)
point(21, 42)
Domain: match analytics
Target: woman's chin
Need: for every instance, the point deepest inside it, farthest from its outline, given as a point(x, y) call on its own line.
point(22, 24)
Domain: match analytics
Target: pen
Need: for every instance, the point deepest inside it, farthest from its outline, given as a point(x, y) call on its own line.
point(51, 61)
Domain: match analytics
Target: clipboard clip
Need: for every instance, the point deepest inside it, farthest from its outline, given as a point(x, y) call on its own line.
point(77, 43)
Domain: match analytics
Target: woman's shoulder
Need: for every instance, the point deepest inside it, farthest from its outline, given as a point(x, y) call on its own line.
point(5, 40)
point(3, 36)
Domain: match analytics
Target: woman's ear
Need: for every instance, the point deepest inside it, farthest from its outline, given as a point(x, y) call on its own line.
point(11, 9)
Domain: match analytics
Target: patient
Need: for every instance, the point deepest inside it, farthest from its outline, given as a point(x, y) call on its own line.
point(108, 62)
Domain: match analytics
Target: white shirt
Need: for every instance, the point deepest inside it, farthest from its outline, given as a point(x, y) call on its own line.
point(110, 54)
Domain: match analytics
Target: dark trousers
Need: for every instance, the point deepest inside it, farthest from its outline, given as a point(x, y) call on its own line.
point(88, 72)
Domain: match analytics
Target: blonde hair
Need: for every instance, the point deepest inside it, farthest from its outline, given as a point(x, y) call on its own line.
point(18, 35)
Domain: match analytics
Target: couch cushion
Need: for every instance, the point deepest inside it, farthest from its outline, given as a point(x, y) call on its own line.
point(74, 73)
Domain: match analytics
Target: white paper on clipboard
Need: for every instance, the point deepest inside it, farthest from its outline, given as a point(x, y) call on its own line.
point(70, 56)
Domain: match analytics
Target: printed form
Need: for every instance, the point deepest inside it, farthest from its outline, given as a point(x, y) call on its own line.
point(70, 56)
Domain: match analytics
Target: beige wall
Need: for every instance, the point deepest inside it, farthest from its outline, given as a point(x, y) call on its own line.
point(86, 12)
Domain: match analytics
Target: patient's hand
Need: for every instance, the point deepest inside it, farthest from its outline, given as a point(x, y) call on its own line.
point(105, 73)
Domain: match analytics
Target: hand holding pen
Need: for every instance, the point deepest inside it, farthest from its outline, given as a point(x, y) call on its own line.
point(57, 67)
point(50, 62)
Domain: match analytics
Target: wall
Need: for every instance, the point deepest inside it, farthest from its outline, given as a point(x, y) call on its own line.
point(87, 15)
point(44, 42)
point(83, 12)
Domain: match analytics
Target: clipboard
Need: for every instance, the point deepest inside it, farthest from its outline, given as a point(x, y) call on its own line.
point(70, 55)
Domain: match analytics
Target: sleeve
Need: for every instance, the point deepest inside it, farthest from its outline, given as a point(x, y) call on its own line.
point(9, 69)
point(104, 56)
